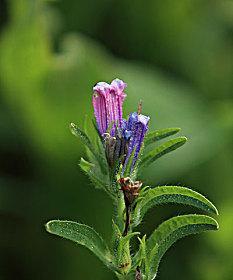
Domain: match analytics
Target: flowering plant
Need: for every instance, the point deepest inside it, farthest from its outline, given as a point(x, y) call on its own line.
point(113, 164)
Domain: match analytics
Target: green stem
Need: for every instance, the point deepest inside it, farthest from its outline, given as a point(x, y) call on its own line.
point(119, 212)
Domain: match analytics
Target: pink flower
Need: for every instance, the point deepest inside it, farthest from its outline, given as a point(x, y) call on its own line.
point(107, 102)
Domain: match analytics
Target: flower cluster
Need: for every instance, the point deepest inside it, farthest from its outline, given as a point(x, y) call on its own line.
point(122, 138)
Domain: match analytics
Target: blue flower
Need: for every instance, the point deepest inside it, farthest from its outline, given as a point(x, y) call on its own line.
point(135, 131)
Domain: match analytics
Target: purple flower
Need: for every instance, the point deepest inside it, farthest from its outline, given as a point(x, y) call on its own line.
point(134, 132)
point(107, 102)
point(121, 137)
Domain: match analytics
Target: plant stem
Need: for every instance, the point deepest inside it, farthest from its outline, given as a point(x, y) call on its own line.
point(127, 220)
point(119, 212)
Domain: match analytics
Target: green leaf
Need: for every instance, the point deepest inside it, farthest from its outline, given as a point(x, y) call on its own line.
point(156, 135)
point(94, 154)
point(172, 230)
point(161, 150)
point(85, 165)
point(125, 239)
point(83, 235)
point(93, 173)
point(99, 180)
point(123, 255)
point(76, 131)
point(150, 268)
point(170, 194)
point(141, 255)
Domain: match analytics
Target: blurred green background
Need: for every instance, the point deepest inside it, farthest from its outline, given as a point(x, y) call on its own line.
point(177, 56)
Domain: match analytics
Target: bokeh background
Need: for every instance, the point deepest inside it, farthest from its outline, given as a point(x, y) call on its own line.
point(177, 56)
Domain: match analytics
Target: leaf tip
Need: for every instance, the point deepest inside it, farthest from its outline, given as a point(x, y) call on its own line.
point(184, 139)
point(177, 129)
point(215, 210)
point(72, 127)
point(48, 226)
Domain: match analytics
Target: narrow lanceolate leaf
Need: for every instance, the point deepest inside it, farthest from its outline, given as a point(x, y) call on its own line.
point(160, 134)
point(150, 269)
point(92, 172)
point(83, 235)
point(140, 257)
point(161, 150)
point(76, 131)
point(97, 178)
point(85, 165)
point(170, 194)
point(172, 230)
point(125, 239)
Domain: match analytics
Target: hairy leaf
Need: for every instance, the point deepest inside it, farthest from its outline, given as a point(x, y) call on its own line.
point(125, 239)
point(94, 154)
point(93, 173)
point(170, 194)
point(140, 257)
point(156, 135)
point(85, 165)
point(172, 230)
point(123, 255)
point(83, 235)
point(150, 268)
point(161, 150)
point(76, 131)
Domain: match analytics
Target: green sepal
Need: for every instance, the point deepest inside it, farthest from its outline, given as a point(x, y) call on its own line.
point(162, 150)
point(170, 194)
point(83, 235)
point(172, 230)
point(157, 135)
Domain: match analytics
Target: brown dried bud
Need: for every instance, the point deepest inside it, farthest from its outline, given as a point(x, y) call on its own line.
point(130, 189)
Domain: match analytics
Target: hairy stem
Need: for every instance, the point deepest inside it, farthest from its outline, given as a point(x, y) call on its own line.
point(119, 212)
point(127, 219)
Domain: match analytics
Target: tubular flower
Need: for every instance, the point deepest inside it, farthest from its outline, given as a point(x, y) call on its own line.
point(135, 132)
point(120, 137)
point(107, 102)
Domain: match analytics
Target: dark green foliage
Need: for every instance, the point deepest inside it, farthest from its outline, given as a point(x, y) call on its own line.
point(157, 135)
point(170, 194)
point(162, 150)
point(151, 250)
point(83, 235)
point(169, 232)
